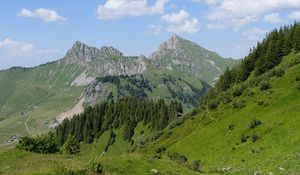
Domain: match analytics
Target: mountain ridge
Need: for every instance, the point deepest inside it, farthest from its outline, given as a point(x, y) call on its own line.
point(98, 74)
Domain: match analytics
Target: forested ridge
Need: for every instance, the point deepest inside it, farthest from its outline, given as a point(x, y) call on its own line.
point(261, 60)
point(125, 113)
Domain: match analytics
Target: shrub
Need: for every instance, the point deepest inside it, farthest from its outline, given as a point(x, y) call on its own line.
point(160, 149)
point(176, 123)
point(195, 165)
point(250, 93)
point(238, 104)
point(244, 138)
point(298, 85)
point(213, 104)
point(177, 157)
point(254, 123)
point(297, 78)
point(264, 85)
point(95, 167)
point(255, 137)
point(279, 72)
point(44, 144)
point(226, 97)
point(237, 91)
point(231, 126)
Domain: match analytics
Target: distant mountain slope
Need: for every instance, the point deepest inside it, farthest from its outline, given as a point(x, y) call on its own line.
point(181, 55)
point(33, 99)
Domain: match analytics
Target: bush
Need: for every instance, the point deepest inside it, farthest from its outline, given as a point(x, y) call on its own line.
point(255, 137)
point(95, 167)
point(195, 165)
point(244, 138)
point(278, 72)
point(238, 104)
point(264, 85)
point(44, 144)
point(176, 123)
point(297, 78)
point(213, 104)
point(226, 97)
point(177, 157)
point(160, 149)
point(237, 91)
point(298, 85)
point(231, 127)
point(254, 123)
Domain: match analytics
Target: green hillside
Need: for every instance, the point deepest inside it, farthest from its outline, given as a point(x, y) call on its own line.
point(33, 100)
point(31, 97)
point(216, 136)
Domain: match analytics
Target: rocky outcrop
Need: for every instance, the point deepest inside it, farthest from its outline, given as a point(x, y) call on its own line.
point(110, 51)
point(171, 45)
point(82, 53)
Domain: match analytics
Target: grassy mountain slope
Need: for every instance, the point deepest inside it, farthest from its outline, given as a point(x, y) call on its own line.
point(215, 136)
point(31, 97)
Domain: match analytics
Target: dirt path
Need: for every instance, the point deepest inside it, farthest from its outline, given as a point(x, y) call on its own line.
point(27, 125)
point(77, 109)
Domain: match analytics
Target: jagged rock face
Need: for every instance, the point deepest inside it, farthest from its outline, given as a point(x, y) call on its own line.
point(82, 53)
point(119, 66)
point(101, 62)
point(171, 44)
point(110, 51)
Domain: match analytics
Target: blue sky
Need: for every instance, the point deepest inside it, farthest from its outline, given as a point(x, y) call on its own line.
point(37, 31)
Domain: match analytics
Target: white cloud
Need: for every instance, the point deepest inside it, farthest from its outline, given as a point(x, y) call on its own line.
point(44, 14)
point(113, 9)
point(16, 46)
point(176, 18)
point(181, 22)
point(217, 25)
point(254, 34)
point(294, 15)
point(155, 29)
point(19, 53)
point(20, 47)
point(273, 18)
point(189, 26)
point(241, 12)
point(207, 1)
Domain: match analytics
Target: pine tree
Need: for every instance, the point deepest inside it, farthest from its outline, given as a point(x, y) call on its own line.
point(71, 146)
point(297, 38)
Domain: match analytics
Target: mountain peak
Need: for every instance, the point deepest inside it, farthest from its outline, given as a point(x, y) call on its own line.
point(175, 37)
point(110, 50)
point(173, 42)
point(78, 44)
point(82, 52)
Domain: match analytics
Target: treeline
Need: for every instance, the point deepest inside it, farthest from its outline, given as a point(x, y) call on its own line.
point(262, 58)
point(125, 113)
point(94, 121)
